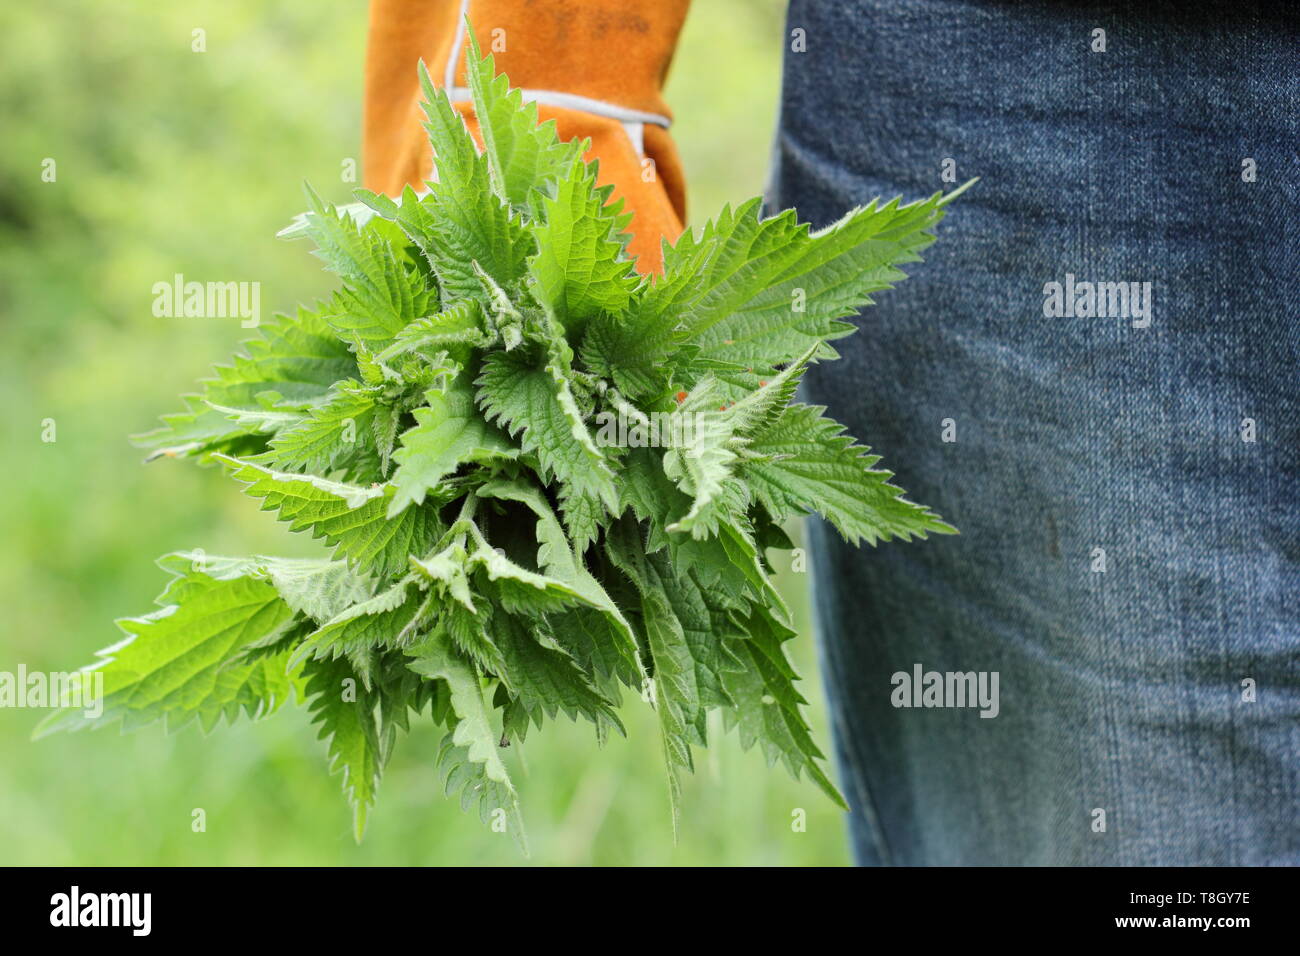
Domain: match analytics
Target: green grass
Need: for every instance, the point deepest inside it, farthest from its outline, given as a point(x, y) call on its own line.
point(171, 161)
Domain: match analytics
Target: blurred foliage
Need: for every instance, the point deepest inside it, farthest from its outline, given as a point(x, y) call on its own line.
point(170, 161)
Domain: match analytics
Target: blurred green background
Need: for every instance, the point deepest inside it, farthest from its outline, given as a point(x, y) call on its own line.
point(173, 161)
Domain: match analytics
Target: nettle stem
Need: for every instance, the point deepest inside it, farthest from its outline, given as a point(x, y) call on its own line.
point(621, 405)
point(460, 527)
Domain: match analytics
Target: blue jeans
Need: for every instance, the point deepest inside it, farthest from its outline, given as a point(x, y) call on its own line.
point(1127, 487)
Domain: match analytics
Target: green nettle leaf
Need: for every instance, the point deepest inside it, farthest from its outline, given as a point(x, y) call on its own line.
point(315, 588)
point(448, 432)
point(462, 222)
point(766, 704)
point(292, 366)
point(756, 293)
point(473, 739)
point(534, 401)
point(330, 432)
point(454, 331)
point(345, 711)
point(182, 662)
point(525, 159)
point(380, 295)
point(580, 269)
point(805, 463)
point(352, 518)
point(358, 631)
point(539, 479)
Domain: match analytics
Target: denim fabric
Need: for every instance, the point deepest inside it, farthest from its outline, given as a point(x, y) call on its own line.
point(1120, 689)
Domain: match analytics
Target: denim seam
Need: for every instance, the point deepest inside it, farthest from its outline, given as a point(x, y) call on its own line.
point(869, 807)
point(839, 732)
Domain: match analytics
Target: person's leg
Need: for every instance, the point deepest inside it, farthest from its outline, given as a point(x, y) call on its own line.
point(1161, 446)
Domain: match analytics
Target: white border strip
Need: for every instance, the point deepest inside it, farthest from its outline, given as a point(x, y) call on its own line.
point(568, 101)
point(572, 101)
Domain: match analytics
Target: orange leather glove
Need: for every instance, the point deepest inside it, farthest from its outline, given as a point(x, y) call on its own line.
point(597, 67)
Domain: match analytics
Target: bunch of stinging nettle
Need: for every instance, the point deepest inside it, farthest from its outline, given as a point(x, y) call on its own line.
point(495, 562)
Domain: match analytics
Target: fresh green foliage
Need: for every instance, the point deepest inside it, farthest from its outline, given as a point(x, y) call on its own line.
point(542, 479)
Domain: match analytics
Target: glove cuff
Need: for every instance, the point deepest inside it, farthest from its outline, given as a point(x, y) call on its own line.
point(603, 59)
